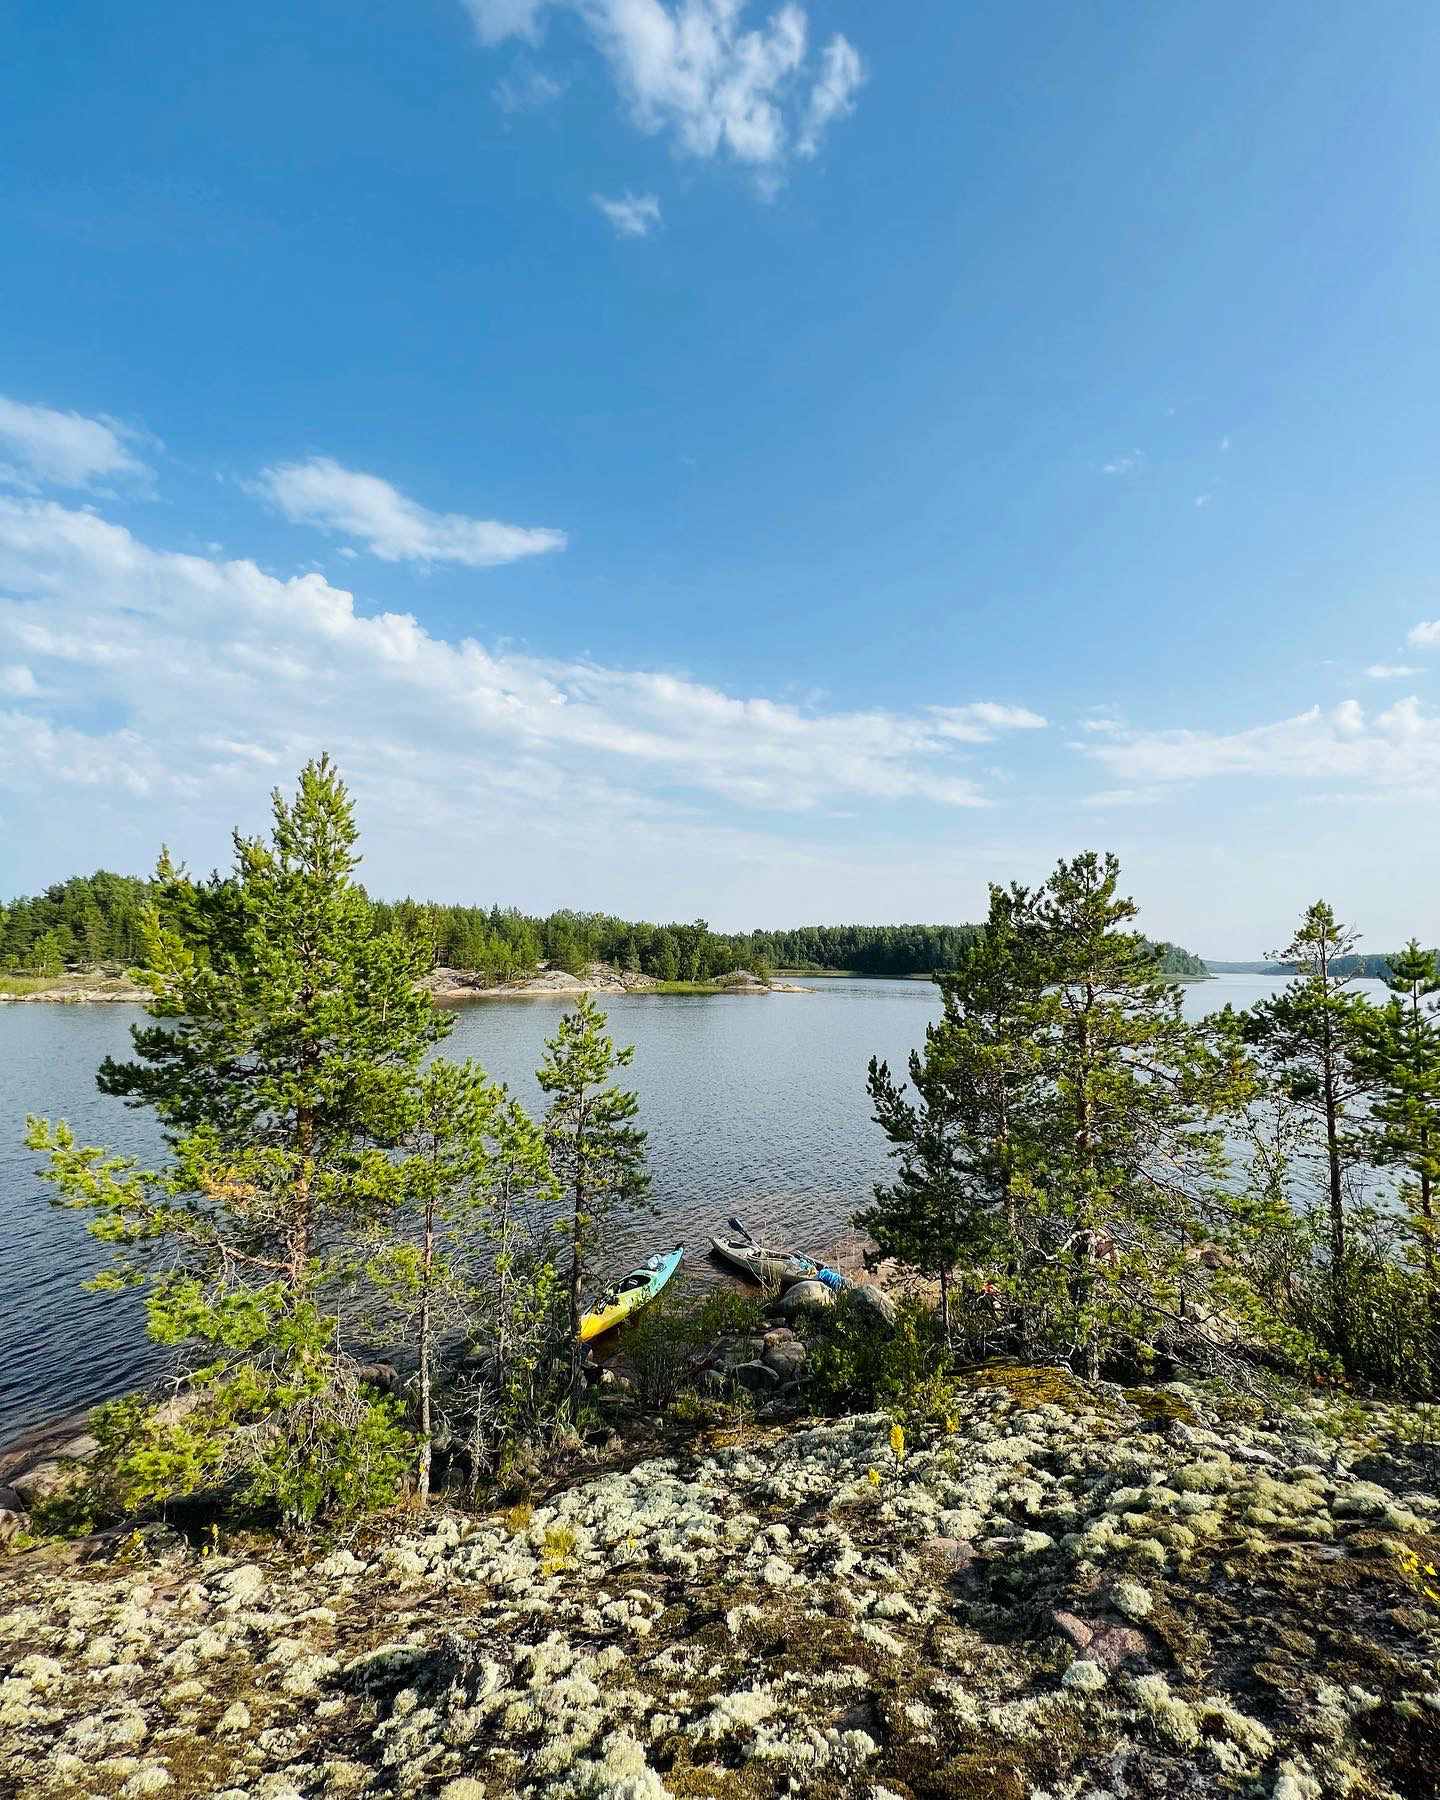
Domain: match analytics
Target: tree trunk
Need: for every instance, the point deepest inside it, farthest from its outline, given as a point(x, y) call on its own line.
point(427, 1265)
point(577, 1266)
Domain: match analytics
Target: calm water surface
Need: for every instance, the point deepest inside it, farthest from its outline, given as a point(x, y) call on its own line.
point(754, 1105)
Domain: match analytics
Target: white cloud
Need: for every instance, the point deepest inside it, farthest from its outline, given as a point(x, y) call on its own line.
point(217, 668)
point(496, 20)
point(632, 215)
point(1391, 671)
point(18, 681)
point(1123, 465)
point(526, 89)
point(1397, 749)
point(396, 529)
point(1426, 634)
point(696, 71)
point(982, 720)
point(833, 95)
point(41, 447)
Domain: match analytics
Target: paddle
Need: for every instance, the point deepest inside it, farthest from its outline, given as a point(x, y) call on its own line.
point(735, 1225)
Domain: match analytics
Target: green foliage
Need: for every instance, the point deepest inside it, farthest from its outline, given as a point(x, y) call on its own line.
point(1064, 1137)
point(853, 1365)
point(595, 1148)
point(86, 920)
point(1310, 1042)
point(1400, 1053)
point(283, 1066)
point(668, 1341)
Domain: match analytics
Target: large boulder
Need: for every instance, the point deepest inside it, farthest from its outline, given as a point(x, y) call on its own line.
point(875, 1301)
point(786, 1359)
point(46, 1480)
point(759, 1377)
point(802, 1295)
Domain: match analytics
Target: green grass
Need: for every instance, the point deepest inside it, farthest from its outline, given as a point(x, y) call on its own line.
point(28, 984)
point(687, 987)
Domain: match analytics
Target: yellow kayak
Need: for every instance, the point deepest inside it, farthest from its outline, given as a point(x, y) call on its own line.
point(628, 1295)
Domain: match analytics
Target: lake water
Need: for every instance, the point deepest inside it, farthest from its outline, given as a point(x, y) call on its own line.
point(754, 1105)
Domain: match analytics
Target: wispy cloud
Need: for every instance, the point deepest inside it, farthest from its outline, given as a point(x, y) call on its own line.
point(1124, 465)
point(1395, 749)
point(983, 720)
point(391, 526)
point(698, 73)
point(1391, 671)
point(632, 215)
point(833, 95)
point(40, 447)
point(215, 666)
point(1426, 634)
point(527, 89)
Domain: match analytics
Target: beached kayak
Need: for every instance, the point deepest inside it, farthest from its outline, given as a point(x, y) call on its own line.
point(770, 1266)
point(630, 1293)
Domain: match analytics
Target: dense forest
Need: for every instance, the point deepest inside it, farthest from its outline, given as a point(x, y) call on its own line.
point(95, 919)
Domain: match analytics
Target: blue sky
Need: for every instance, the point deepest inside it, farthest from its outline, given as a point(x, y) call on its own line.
point(774, 462)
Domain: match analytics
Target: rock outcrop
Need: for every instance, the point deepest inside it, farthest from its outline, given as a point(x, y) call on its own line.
point(1052, 1599)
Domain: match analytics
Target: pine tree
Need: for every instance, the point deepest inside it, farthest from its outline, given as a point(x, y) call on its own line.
point(596, 1149)
point(1400, 1051)
point(960, 1144)
point(1127, 1154)
point(282, 1067)
point(1310, 1039)
point(474, 1172)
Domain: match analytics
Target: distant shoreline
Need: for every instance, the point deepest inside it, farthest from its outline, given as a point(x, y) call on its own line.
point(445, 986)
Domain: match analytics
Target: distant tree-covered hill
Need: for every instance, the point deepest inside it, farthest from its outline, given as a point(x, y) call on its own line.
point(95, 919)
point(1376, 964)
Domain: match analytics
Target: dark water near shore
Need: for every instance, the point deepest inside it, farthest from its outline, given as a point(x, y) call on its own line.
point(755, 1105)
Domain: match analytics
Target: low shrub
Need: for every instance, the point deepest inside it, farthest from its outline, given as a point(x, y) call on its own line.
point(856, 1364)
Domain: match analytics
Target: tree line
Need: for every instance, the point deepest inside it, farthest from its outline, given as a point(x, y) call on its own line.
point(1087, 1173)
point(92, 920)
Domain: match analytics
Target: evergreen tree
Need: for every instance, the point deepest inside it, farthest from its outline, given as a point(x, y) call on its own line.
point(1310, 1040)
point(1400, 1051)
point(596, 1149)
point(962, 1142)
point(474, 1170)
point(282, 1067)
point(1127, 1151)
point(1066, 1130)
point(45, 955)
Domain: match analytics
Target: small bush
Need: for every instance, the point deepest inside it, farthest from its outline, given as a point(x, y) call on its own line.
point(855, 1364)
point(666, 1345)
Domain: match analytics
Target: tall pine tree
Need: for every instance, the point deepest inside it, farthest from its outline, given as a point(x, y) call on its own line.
point(596, 1149)
point(282, 1065)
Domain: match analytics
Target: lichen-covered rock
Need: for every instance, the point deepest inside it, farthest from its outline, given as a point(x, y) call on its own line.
point(1046, 1596)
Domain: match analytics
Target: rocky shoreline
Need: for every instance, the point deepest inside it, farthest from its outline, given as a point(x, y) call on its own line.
point(1072, 1592)
point(442, 984)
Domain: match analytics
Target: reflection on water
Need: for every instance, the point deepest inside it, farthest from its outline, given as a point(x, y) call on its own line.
point(754, 1105)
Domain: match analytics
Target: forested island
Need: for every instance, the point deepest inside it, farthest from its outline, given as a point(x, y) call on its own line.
point(1128, 1467)
point(93, 921)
